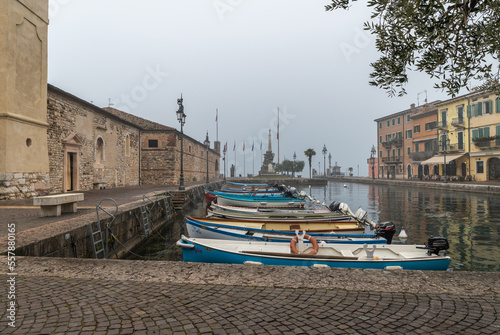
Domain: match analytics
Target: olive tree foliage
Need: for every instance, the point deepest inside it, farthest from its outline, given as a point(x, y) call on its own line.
point(454, 41)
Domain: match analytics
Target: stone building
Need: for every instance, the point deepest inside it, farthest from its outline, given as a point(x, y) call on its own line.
point(160, 149)
point(88, 147)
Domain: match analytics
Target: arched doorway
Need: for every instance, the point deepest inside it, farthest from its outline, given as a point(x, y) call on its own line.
point(494, 169)
point(408, 173)
point(420, 172)
point(426, 170)
point(436, 170)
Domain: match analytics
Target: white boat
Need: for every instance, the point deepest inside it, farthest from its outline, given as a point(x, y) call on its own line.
point(409, 257)
point(200, 228)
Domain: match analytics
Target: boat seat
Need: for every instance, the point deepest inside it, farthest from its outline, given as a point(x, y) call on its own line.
point(347, 253)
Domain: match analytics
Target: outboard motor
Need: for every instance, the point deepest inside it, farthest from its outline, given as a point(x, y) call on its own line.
point(436, 244)
point(334, 206)
point(386, 230)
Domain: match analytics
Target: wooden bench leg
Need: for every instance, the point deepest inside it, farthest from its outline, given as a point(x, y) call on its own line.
point(52, 210)
point(69, 208)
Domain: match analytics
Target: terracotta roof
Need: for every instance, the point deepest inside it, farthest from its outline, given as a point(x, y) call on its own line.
point(138, 121)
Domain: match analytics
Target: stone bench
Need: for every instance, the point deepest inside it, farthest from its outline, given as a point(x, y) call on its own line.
point(54, 205)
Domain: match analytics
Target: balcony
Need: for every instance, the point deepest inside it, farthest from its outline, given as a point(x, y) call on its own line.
point(458, 122)
point(422, 156)
point(452, 147)
point(442, 125)
point(392, 160)
point(487, 143)
point(397, 142)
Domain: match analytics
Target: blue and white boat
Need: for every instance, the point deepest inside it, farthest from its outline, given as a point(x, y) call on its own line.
point(248, 195)
point(259, 201)
point(382, 256)
point(245, 232)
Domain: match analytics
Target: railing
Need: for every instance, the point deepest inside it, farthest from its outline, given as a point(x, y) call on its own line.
point(397, 142)
point(483, 145)
point(452, 147)
point(442, 124)
point(458, 122)
point(392, 159)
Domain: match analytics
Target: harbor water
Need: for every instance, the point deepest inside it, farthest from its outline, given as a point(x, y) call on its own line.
point(470, 221)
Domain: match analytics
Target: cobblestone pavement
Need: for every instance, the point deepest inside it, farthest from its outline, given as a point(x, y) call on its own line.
point(85, 296)
point(52, 305)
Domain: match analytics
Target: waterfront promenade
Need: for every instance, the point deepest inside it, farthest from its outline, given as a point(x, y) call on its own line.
point(87, 296)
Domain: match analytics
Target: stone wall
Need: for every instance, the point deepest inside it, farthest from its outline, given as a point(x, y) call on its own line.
point(161, 165)
point(79, 127)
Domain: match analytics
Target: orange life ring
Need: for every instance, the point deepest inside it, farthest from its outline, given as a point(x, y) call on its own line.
point(293, 244)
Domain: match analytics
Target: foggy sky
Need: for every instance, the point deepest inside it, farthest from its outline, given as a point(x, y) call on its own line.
point(244, 58)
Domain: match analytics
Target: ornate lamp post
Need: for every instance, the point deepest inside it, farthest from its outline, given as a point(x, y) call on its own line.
point(324, 159)
point(181, 117)
point(372, 160)
point(207, 145)
point(294, 158)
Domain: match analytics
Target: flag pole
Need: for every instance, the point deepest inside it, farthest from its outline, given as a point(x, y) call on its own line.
point(217, 124)
point(278, 135)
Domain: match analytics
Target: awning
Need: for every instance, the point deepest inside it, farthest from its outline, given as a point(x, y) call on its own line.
point(440, 159)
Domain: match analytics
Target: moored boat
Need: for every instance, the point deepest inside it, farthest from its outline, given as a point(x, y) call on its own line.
point(409, 257)
point(234, 230)
point(269, 202)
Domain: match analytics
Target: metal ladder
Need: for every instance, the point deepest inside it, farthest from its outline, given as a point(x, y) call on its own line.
point(96, 235)
point(96, 240)
point(168, 206)
point(146, 214)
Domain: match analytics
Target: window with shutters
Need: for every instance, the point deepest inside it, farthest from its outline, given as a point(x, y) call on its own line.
point(399, 120)
point(408, 117)
point(497, 105)
point(408, 134)
point(460, 136)
point(416, 129)
point(487, 107)
point(388, 123)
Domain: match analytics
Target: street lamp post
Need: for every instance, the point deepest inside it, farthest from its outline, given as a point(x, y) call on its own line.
point(372, 160)
point(181, 117)
point(293, 171)
point(445, 141)
point(324, 159)
point(207, 145)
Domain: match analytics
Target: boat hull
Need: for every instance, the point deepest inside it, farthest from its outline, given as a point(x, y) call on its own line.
point(265, 203)
point(202, 250)
point(197, 229)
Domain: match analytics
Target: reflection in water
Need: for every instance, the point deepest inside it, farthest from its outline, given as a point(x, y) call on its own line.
point(470, 221)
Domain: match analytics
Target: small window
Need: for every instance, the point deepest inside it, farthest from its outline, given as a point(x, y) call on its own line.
point(127, 145)
point(408, 134)
point(189, 148)
point(99, 150)
point(153, 143)
point(380, 139)
point(399, 120)
point(393, 122)
point(416, 129)
point(479, 166)
point(408, 118)
point(409, 151)
point(380, 125)
point(388, 123)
